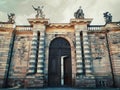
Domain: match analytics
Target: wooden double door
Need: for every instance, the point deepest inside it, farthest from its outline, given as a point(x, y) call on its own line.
point(59, 74)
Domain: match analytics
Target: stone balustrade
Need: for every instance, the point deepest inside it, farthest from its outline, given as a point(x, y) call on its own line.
point(6, 25)
point(24, 28)
point(95, 27)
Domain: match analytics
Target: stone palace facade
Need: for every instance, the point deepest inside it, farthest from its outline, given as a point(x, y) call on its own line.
point(45, 54)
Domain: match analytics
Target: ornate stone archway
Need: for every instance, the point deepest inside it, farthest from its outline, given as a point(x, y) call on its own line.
point(73, 62)
point(59, 64)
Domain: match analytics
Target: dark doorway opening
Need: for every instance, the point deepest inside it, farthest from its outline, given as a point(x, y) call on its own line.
point(59, 65)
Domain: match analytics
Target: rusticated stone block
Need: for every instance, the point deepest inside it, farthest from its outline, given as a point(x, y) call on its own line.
point(15, 82)
point(85, 82)
point(34, 82)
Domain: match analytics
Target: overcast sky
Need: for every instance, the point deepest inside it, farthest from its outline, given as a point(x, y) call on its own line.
point(59, 11)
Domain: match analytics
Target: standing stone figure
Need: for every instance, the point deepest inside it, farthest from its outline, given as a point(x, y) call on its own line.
point(79, 13)
point(11, 18)
point(39, 12)
point(108, 17)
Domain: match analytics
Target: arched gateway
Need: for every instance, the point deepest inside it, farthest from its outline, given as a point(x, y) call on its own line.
point(59, 67)
point(80, 55)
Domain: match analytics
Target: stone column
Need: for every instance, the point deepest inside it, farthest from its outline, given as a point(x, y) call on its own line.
point(87, 54)
point(79, 65)
point(32, 61)
point(41, 54)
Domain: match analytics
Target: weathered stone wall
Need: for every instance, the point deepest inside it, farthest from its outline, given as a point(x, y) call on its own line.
point(20, 58)
point(114, 43)
point(5, 39)
point(100, 57)
point(99, 53)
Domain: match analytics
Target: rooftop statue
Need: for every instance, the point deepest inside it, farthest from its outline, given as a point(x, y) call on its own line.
point(79, 13)
point(108, 17)
point(39, 12)
point(11, 18)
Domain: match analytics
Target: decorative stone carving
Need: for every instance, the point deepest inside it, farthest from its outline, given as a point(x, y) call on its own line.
point(11, 18)
point(108, 17)
point(79, 13)
point(39, 12)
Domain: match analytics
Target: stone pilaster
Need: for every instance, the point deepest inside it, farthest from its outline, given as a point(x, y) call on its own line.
point(79, 65)
point(83, 58)
point(41, 55)
point(87, 54)
point(32, 62)
point(39, 26)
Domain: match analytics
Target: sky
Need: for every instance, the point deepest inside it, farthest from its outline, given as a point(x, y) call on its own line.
point(59, 11)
